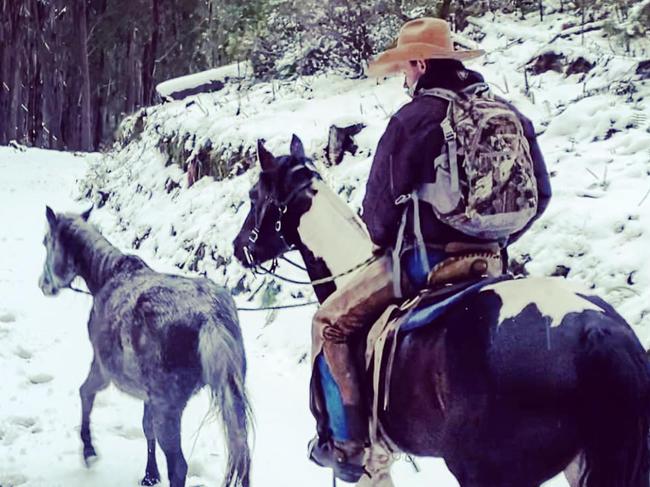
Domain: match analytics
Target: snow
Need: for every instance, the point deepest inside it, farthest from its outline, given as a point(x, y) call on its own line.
point(182, 83)
point(593, 133)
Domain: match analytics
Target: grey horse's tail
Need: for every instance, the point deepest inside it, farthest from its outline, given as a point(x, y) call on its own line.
point(224, 370)
point(614, 381)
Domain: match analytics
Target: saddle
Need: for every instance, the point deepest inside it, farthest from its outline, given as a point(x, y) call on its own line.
point(463, 273)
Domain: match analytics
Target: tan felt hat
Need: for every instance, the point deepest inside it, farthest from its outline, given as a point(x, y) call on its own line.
point(424, 38)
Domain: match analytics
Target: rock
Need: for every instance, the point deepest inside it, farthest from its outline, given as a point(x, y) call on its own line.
point(340, 141)
point(171, 185)
point(546, 62)
point(561, 271)
point(643, 69)
point(209, 87)
point(517, 266)
point(579, 65)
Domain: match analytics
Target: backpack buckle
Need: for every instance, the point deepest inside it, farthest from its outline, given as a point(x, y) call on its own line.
point(447, 130)
point(403, 198)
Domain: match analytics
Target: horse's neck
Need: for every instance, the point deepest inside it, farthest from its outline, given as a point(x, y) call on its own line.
point(334, 236)
point(95, 258)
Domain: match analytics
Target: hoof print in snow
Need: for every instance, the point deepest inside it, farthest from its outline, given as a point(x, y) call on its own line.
point(12, 480)
point(7, 317)
point(23, 421)
point(40, 378)
point(23, 354)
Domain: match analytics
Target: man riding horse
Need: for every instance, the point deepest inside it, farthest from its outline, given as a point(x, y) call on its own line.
point(416, 241)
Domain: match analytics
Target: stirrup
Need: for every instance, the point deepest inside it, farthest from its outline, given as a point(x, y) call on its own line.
point(327, 454)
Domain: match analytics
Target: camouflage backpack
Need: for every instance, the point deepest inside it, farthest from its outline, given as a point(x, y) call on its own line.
point(484, 180)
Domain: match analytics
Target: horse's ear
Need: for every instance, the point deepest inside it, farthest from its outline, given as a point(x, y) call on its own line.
point(267, 161)
point(51, 216)
point(86, 214)
point(297, 149)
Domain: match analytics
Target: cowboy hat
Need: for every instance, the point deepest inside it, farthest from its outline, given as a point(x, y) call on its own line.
point(424, 38)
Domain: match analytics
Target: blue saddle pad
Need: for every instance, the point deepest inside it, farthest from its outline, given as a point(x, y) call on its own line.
point(430, 309)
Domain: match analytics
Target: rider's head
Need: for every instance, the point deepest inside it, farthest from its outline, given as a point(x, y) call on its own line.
point(424, 49)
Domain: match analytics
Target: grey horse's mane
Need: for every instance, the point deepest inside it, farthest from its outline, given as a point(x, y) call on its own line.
point(96, 259)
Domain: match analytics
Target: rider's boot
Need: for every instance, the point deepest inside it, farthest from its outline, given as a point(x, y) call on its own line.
point(346, 457)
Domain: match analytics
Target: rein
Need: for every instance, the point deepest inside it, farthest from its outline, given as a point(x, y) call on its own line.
point(286, 306)
point(315, 282)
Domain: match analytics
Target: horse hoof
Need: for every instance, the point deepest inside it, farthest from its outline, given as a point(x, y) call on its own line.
point(147, 480)
point(90, 457)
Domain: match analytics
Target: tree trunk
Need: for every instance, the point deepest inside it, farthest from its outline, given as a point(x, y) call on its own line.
point(444, 9)
point(149, 57)
point(85, 112)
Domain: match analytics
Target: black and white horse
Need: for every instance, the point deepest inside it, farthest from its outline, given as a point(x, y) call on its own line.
point(527, 375)
point(157, 337)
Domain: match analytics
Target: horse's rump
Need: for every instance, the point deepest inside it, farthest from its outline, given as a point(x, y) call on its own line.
point(512, 355)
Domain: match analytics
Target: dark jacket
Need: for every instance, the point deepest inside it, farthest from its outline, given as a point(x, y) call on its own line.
point(404, 160)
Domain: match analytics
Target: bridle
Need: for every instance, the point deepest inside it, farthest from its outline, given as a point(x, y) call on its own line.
point(282, 207)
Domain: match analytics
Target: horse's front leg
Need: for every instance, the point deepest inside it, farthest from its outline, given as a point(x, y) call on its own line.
point(573, 471)
point(378, 463)
point(94, 383)
point(151, 474)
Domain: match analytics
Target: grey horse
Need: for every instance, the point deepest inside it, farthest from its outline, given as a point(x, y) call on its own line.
point(157, 337)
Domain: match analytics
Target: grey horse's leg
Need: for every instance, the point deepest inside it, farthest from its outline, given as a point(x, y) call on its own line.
point(151, 474)
point(94, 383)
point(167, 427)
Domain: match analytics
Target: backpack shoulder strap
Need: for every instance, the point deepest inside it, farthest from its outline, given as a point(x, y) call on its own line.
point(439, 93)
point(476, 88)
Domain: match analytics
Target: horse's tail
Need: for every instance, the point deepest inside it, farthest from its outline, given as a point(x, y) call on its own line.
point(224, 370)
point(614, 382)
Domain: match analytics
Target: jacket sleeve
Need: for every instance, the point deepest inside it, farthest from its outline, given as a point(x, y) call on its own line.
point(380, 214)
point(541, 175)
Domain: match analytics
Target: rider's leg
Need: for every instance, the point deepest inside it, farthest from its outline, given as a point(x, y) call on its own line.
point(343, 317)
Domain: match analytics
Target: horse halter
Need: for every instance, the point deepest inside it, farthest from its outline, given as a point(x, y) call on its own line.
point(282, 207)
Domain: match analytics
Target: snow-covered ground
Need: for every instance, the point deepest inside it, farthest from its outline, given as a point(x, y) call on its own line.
point(597, 144)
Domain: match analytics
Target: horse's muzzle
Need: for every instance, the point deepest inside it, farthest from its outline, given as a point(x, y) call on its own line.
point(47, 288)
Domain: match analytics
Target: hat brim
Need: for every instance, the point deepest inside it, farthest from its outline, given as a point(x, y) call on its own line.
point(390, 61)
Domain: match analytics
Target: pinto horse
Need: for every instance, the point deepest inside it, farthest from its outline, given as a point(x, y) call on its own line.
point(536, 373)
point(157, 337)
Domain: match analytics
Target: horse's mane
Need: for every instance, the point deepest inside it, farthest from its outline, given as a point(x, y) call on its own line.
point(95, 257)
